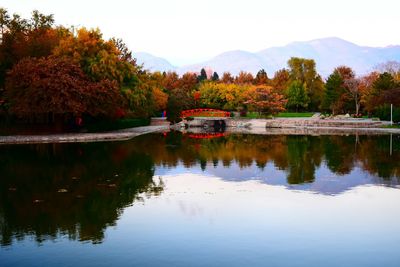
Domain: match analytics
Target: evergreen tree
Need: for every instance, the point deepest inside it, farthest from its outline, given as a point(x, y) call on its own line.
point(215, 76)
point(202, 76)
point(333, 88)
point(384, 82)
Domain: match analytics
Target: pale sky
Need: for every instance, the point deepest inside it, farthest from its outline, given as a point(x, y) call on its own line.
point(188, 31)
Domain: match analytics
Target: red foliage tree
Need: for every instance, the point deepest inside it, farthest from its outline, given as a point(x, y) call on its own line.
point(171, 81)
point(52, 86)
point(188, 82)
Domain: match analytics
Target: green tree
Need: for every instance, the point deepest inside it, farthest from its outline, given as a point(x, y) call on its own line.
point(333, 88)
point(215, 77)
point(304, 71)
point(202, 76)
point(341, 89)
point(297, 96)
point(384, 82)
point(140, 97)
point(178, 100)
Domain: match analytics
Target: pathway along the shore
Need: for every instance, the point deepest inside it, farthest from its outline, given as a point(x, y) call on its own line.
point(119, 135)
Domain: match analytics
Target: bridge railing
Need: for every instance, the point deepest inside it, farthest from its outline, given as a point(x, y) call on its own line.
point(204, 112)
point(206, 135)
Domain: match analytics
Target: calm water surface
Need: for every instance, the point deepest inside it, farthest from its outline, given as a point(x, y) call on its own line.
point(185, 200)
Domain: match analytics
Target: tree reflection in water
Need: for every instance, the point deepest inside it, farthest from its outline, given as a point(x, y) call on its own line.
point(298, 155)
point(79, 190)
point(76, 189)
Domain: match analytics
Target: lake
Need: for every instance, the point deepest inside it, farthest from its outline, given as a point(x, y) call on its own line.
point(216, 199)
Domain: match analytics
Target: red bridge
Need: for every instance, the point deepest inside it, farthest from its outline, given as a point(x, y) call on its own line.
point(206, 135)
point(205, 112)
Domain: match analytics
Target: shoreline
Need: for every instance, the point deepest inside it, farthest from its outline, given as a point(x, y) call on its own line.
point(315, 131)
point(251, 126)
point(119, 135)
point(349, 127)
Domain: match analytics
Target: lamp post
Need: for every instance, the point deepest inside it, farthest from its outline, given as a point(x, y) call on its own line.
point(391, 114)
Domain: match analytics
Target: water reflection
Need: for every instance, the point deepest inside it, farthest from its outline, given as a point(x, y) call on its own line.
point(79, 190)
point(74, 190)
point(298, 156)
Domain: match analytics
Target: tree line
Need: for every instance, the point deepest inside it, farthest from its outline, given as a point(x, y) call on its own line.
point(51, 73)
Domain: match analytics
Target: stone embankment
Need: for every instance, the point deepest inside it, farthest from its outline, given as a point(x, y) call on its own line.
point(286, 123)
point(343, 123)
point(298, 126)
point(119, 135)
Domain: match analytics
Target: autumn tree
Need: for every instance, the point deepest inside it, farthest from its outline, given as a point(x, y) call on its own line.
point(100, 59)
point(55, 88)
point(281, 80)
point(345, 72)
point(264, 100)
point(187, 82)
point(244, 78)
point(20, 38)
point(352, 87)
point(386, 91)
point(160, 99)
point(221, 95)
point(227, 78)
point(171, 80)
point(261, 78)
point(367, 91)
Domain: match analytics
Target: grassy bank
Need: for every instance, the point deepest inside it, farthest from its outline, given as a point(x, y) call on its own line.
point(295, 115)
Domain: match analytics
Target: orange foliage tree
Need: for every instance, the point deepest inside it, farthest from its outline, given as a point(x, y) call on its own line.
point(100, 59)
point(264, 100)
point(160, 99)
point(244, 78)
point(227, 78)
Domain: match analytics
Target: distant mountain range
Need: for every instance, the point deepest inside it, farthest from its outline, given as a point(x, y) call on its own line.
point(153, 63)
point(328, 53)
